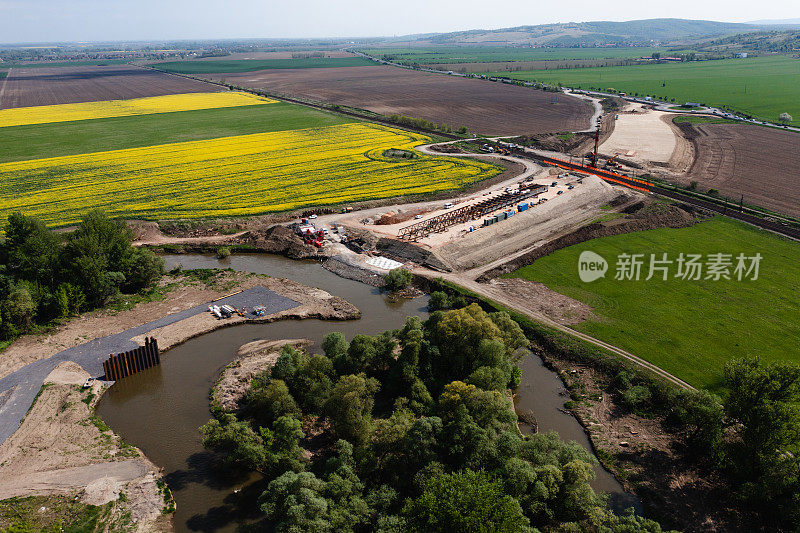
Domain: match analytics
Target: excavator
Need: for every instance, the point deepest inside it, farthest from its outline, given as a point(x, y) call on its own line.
point(612, 163)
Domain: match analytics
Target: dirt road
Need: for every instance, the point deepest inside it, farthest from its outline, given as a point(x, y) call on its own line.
point(528, 307)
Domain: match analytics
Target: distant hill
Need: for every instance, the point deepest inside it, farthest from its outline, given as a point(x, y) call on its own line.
point(777, 22)
point(651, 31)
point(786, 41)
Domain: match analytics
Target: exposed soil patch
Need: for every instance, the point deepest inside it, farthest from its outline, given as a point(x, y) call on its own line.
point(61, 449)
point(649, 461)
point(280, 240)
point(482, 106)
point(562, 309)
point(26, 87)
point(744, 160)
point(639, 216)
point(252, 358)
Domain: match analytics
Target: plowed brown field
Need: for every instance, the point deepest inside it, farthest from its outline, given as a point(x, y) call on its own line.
point(741, 159)
point(26, 87)
point(482, 106)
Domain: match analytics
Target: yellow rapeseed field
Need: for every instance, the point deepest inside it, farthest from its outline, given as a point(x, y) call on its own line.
point(122, 108)
point(242, 175)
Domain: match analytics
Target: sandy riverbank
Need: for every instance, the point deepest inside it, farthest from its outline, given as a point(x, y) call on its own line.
point(182, 293)
point(61, 448)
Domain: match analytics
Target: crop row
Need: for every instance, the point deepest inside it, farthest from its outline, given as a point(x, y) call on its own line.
point(122, 108)
point(242, 175)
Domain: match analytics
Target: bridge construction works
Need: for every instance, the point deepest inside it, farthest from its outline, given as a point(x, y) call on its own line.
point(467, 213)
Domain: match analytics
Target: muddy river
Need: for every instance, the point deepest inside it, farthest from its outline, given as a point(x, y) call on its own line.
point(159, 410)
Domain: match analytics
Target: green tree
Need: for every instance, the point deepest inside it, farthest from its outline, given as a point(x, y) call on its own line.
point(762, 403)
point(19, 311)
point(349, 407)
point(268, 403)
point(31, 251)
point(62, 301)
point(464, 501)
point(439, 301)
point(312, 382)
point(241, 446)
point(295, 502)
point(701, 415)
point(397, 279)
point(334, 344)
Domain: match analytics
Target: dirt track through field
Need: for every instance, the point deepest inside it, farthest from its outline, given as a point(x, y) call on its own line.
point(66, 85)
point(755, 162)
point(3, 88)
point(482, 106)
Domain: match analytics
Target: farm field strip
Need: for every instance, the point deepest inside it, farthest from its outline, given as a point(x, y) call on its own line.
point(38, 141)
point(250, 65)
point(486, 54)
point(27, 87)
point(21, 116)
point(480, 106)
point(242, 175)
point(764, 87)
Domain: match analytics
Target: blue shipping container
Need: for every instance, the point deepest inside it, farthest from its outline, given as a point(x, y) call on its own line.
point(523, 207)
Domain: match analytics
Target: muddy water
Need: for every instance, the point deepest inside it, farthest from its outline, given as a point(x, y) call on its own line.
point(159, 410)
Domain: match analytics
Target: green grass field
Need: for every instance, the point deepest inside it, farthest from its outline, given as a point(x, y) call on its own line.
point(249, 65)
point(688, 328)
point(37, 141)
point(482, 54)
point(692, 119)
point(763, 87)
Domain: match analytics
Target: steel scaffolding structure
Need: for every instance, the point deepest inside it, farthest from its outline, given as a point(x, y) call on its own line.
point(420, 230)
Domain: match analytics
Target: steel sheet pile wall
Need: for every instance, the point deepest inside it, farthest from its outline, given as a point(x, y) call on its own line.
point(127, 363)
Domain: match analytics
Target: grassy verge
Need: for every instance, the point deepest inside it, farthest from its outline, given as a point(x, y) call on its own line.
point(702, 119)
point(56, 514)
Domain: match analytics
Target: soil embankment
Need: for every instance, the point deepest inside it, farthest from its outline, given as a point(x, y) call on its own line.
point(61, 448)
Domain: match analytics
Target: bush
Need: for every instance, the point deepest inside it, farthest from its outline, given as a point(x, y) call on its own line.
point(439, 301)
point(223, 252)
point(637, 397)
point(397, 279)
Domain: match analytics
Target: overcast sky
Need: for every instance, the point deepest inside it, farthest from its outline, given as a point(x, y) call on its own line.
point(99, 20)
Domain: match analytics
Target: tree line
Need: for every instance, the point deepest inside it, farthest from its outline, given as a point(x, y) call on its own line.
point(47, 275)
point(409, 430)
